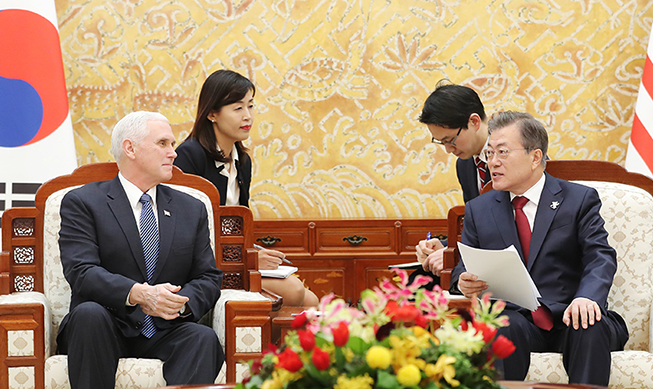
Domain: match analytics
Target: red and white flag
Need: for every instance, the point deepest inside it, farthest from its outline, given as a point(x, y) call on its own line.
point(36, 134)
point(639, 157)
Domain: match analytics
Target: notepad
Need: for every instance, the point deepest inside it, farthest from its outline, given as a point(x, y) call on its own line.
point(280, 272)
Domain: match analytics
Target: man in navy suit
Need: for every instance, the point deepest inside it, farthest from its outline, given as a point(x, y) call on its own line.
point(455, 116)
point(138, 259)
point(560, 235)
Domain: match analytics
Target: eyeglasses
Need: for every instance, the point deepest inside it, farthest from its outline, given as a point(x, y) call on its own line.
point(501, 153)
point(447, 142)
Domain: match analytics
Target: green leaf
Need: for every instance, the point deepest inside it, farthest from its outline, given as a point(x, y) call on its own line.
point(358, 345)
point(340, 358)
point(323, 377)
point(386, 380)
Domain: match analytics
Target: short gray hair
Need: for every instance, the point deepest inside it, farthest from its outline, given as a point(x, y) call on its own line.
point(532, 132)
point(134, 127)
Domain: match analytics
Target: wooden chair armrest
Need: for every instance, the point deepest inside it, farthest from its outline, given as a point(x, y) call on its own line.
point(5, 273)
point(26, 321)
point(450, 260)
point(277, 301)
point(253, 278)
point(250, 317)
point(454, 231)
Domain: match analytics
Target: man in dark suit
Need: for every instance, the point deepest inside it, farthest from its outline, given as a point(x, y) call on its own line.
point(560, 235)
point(455, 116)
point(137, 256)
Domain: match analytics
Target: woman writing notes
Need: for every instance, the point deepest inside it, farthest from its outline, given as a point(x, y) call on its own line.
point(214, 150)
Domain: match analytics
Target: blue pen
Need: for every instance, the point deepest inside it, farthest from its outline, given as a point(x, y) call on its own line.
point(428, 235)
point(263, 248)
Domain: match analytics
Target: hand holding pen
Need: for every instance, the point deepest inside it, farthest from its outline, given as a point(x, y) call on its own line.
point(429, 253)
point(424, 248)
point(273, 257)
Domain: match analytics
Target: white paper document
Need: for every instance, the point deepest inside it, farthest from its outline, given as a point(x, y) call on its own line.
point(504, 272)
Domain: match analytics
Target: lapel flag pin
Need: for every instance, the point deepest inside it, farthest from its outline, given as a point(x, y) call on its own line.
point(166, 212)
point(554, 204)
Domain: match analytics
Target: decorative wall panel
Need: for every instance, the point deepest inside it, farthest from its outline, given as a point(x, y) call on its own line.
point(341, 84)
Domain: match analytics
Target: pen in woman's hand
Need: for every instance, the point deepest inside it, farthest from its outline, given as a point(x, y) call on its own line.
point(428, 235)
point(263, 248)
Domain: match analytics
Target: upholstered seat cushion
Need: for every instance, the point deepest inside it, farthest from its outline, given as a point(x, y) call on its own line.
point(132, 373)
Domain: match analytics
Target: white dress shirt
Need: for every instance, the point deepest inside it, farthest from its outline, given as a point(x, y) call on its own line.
point(533, 195)
point(230, 171)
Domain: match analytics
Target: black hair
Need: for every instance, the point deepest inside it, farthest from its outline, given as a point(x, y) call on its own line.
point(450, 106)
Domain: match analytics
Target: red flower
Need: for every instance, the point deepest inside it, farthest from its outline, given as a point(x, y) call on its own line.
point(487, 331)
point(341, 334)
point(502, 347)
point(299, 321)
point(321, 359)
point(405, 313)
point(290, 361)
point(256, 367)
point(306, 339)
point(421, 321)
point(272, 349)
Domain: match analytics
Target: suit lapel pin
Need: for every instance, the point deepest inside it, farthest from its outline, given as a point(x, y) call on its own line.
point(554, 204)
point(166, 212)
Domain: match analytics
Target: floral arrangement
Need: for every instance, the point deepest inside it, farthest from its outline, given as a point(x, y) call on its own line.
point(400, 336)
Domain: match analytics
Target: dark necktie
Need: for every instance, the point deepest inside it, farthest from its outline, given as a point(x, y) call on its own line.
point(482, 171)
point(150, 241)
point(542, 316)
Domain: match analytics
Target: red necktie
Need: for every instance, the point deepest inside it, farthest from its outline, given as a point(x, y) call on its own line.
point(542, 316)
point(482, 171)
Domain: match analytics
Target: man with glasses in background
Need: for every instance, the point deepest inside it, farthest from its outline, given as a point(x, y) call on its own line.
point(455, 116)
point(559, 233)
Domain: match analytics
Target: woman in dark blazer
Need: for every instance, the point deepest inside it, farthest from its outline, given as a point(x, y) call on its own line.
point(214, 150)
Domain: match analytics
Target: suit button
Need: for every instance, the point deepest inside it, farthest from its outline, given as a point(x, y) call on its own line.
point(138, 325)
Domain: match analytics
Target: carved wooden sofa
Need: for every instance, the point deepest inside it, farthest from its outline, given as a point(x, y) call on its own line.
point(34, 295)
point(628, 212)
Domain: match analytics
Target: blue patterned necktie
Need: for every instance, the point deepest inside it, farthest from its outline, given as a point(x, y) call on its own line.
point(150, 241)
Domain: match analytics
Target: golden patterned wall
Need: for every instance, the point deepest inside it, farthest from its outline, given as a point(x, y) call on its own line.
point(341, 84)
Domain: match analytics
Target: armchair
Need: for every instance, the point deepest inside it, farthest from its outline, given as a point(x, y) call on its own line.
point(627, 209)
point(34, 295)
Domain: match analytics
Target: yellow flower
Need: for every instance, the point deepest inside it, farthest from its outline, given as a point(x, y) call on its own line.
point(419, 331)
point(420, 363)
point(443, 368)
point(409, 375)
point(424, 337)
point(285, 376)
point(404, 350)
point(378, 357)
point(279, 379)
point(349, 355)
point(271, 384)
point(360, 382)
